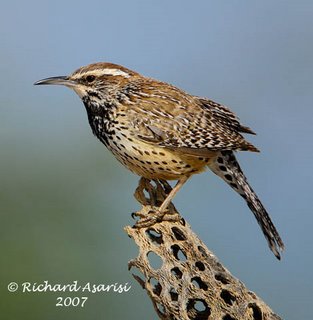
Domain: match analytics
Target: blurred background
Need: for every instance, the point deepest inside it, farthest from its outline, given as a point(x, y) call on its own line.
point(64, 199)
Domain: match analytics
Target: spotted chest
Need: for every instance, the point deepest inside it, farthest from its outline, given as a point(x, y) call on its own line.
point(151, 161)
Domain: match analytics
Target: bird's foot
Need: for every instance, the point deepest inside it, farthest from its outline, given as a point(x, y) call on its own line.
point(152, 217)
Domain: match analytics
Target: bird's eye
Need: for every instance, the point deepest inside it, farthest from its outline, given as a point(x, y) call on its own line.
point(90, 78)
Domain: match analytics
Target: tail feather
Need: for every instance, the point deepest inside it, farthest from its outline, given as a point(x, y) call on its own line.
point(227, 167)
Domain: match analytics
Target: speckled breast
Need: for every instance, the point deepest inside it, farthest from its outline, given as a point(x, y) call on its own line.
point(154, 162)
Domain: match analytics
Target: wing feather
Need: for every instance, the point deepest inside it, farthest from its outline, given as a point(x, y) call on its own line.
point(171, 118)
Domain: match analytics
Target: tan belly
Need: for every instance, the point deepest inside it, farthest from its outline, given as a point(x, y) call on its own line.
point(155, 162)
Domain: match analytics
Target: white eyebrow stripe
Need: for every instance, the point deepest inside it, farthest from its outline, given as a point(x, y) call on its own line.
point(108, 72)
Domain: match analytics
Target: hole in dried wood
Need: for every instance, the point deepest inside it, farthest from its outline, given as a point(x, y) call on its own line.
point(154, 260)
point(156, 287)
point(221, 278)
point(173, 294)
point(198, 309)
point(146, 194)
point(257, 313)
point(199, 306)
point(161, 309)
point(153, 183)
point(154, 236)
point(199, 283)
point(202, 251)
point(200, 266)
point(228, 317)
point(227, 297)
point(177, 273)
point(179, 235)
point(179, 254)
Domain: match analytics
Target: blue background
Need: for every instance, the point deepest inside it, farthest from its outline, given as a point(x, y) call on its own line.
point(64, 199)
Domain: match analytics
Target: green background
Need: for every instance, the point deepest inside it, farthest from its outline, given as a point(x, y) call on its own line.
point(64, 199)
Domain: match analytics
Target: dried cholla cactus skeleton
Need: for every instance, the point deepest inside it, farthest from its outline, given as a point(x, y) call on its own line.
point(189, 283)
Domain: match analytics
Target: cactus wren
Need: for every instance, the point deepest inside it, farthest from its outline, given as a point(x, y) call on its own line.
point(161, 132)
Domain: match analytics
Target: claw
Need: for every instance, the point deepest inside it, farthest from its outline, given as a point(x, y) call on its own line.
point(137, 214)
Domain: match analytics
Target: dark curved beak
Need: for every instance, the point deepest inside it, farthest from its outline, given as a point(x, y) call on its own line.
point(61, 80)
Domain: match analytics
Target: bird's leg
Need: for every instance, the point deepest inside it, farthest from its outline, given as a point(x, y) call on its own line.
point(158, 215)
point(172, 194)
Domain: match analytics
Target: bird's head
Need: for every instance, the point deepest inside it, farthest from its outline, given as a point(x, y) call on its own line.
point(98, 79)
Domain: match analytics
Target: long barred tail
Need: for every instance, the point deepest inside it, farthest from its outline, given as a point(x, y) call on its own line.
point(227, 167)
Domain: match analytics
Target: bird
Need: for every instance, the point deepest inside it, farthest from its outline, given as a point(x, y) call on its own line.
point(161, 132)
